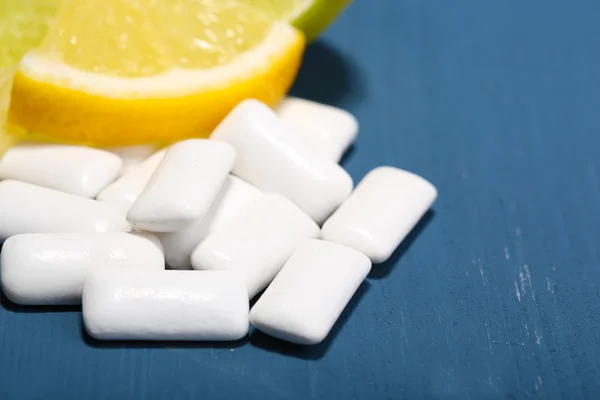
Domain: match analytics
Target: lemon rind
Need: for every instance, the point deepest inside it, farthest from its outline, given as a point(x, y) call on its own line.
point(307, 5)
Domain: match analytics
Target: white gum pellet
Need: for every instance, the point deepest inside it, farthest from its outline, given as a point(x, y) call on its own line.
point(78, 170)
point(383, 209)
point(125, 190)
point(234, 197)
point(183, 186)
point(27, 208)
point(311, 291)
point(274, 159)
point(329, 130)
point(50, 268)
point(132, 156)
point(257, 243)
point(165, 305)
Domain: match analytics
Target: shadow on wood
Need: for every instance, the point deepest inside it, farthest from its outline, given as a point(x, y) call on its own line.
point(382, 270)
point(159, 344)
point(329, 77)
point(347, 156)
point(14, 307)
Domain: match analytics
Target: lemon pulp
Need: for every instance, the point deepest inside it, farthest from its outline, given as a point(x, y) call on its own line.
point(23, 25)
point(119, 72)
point(135, 38)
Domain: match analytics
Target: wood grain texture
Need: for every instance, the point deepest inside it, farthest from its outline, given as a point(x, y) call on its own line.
point(494, 296)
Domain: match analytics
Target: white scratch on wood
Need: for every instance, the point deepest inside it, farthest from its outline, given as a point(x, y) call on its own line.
point(522, 282)
point(481, 272)
point(549, 286)
point(528, 276)
point(527, 329)
point(525, 283)
point(517, 292)
point(506, 253)
point(447, 372)
point(538, 383)
point(477, 262)
point(538, 338)
point(404, 330)
point(487, 330)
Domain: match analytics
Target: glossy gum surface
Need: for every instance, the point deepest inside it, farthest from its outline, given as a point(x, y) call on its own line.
point(328, 130)
point(382, 210)
point(124, 191)
point(77, 170)
point(165, 305)
point(50, 268)
point(26, 208)
point(257, 243)
point(183, 185)
point(274, 159)
point(310, 292)
point(233, 199)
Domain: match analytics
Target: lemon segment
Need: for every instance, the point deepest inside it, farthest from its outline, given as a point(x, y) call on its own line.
point(122, 72)
point(83, 107)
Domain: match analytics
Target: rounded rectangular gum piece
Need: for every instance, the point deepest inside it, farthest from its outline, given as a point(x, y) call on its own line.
point(27, 208)
point(78, 170)
point(50, 268)
point(165, 305)
point(310, 292)
point(257, 243)
point(274, 159)
point(329, 130)
point(124, 191)
point(183, 185)
point(234, 198)
point(385, 206)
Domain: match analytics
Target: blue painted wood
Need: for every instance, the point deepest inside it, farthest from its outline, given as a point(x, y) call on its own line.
point(495, 296)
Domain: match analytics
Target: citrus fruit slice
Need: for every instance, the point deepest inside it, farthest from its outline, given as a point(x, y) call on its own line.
point(119, 72)
point(310, 16)
point(23, 25)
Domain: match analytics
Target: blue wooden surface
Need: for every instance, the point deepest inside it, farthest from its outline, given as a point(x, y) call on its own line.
point(495, 296)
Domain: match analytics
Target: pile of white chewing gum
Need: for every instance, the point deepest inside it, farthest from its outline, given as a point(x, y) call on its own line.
point(173, 243)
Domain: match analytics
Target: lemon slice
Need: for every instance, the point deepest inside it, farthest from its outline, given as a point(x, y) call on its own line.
point(118, 72)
